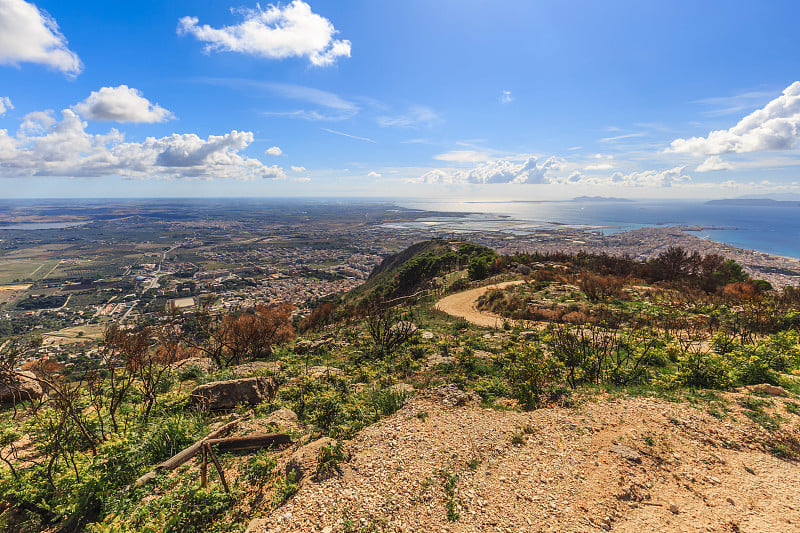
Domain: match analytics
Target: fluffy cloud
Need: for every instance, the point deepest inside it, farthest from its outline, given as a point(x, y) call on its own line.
point(528, 171)
point(463, 156)
point(774, 127)
point(28, 35)
point(373, 174)
point(275, 150)
point(298, 169)
point(121, 104)
point(651, 178)
point(275, 33)
point(65, 149)
point(714, 162)
point(505, 97)
point(36, 122)
point(5, 104)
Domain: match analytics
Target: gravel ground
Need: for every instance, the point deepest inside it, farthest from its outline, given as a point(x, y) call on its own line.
point(632, 464)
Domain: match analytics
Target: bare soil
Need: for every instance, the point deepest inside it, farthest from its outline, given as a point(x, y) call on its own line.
point(622, 464)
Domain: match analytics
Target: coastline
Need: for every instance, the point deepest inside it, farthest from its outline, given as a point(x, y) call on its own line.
point(643, 243)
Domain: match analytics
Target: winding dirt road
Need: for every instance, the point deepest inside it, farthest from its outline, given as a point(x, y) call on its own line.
point(462, 305)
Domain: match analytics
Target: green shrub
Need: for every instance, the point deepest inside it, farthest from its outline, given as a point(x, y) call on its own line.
point(260, 467)
point(704, 370)
point(329, 458)
point(530, 371)
point(284, 488)
point(385, 401)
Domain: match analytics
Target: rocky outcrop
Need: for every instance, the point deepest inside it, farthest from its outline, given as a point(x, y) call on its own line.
point(305, 461)
point(285, 418)
point(450, 395)
point(21, 387)
point(321, 372)
point(254, 367)
point(206, 364)
point(219, 395)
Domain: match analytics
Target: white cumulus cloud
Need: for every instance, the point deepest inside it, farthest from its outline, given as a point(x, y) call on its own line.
point(774, 127)
point(121, 104)
point(65, 149)
point(373, 174)
point(36, 122)
point(298, 169)
point(277, 32)
point(29, 35)
point(504, 171)
point(712, 163)
point(275, 150)
point(5, 104)
point(652, 178)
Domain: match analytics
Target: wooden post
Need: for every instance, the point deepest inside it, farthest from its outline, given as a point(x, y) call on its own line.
point(219, 467)
point(204, 469)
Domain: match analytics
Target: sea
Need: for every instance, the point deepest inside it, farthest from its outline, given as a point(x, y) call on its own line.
point(772, 229)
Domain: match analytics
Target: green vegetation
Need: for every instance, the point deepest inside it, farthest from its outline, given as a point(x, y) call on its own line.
point(41, 302)
point(680, 327)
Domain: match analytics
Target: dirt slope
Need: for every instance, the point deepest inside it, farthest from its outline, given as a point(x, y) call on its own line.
point(462, 305)
point(677, 470)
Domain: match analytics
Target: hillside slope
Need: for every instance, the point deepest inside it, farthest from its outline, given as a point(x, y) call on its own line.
point(630, 464)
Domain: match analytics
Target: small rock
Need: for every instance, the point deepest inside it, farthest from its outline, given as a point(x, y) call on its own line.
point(766, 388)
point(526, 336)
point(673, 508)
point(730, 501)
point(450, 395)
point(255, 367)
point(320, 372)
point(282, 418)
point(626, 453)
point(427, 335)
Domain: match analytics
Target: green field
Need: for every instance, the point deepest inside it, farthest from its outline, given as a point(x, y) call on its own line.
point(24, 269)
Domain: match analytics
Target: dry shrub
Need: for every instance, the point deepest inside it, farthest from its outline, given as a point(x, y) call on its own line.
point(741, 291)
point(321, 316)
point(601, 288)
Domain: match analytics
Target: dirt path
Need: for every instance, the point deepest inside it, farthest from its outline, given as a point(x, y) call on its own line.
point(462, 305)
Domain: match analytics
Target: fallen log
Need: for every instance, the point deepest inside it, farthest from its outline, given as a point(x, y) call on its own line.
point(250, 442)
point(187, 453)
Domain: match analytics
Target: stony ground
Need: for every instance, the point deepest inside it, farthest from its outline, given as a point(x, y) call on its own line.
point(625, 464)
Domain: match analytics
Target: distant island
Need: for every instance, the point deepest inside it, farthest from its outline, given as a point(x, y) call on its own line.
point(599, 199)
point(754, 202)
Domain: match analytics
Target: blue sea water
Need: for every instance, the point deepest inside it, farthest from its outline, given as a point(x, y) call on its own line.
point(773, 229)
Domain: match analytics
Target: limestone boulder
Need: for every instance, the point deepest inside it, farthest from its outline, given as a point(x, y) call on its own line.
point(219, 395)
point(20, 387)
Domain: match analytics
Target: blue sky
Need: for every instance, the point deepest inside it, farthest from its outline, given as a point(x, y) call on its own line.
point(439, 98)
